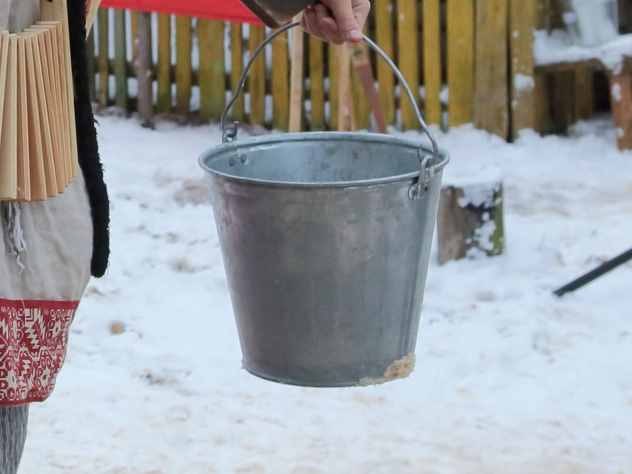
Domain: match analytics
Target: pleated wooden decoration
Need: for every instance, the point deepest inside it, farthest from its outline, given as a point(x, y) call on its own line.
point(38, 141)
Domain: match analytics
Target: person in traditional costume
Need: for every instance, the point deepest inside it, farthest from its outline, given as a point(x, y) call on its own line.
point(49, 249)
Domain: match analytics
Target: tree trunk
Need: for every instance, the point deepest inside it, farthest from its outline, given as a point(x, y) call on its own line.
point(471, 221)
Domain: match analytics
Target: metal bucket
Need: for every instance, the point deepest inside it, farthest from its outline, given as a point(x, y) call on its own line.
point(326, 240)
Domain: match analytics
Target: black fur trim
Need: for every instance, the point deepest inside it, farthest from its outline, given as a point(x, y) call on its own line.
point(87, 139)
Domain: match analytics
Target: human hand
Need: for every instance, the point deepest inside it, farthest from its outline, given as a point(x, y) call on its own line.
point(337, 21)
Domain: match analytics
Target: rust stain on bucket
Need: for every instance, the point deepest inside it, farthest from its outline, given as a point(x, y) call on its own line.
point(400, 369)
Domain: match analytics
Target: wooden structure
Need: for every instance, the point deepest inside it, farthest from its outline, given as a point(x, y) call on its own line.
point(469, 61)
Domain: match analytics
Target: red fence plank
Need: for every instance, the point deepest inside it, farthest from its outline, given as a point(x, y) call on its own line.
point(231, 10)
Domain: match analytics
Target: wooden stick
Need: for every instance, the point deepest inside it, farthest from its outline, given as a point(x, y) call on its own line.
point(345, 98)
point(296, 79)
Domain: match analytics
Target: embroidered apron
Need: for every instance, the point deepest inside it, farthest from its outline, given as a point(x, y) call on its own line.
point(45, 255)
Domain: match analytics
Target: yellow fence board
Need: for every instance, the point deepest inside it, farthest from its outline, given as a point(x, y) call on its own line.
point(460, 61)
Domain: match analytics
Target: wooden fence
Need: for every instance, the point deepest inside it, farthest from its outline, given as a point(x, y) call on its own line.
point(461, 58)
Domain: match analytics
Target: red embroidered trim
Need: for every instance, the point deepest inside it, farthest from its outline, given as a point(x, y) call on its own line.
point(33, 342)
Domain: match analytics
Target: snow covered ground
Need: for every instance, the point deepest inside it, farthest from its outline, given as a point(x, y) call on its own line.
point(509, 379)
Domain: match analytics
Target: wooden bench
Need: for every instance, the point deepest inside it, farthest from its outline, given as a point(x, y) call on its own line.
point(614, 58)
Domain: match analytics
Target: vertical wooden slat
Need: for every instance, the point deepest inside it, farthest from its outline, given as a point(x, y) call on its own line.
point(333, 86)
point(120, 58)
point(363, 69)
point(104, 57)
point(92, 66)
point(432, 60)
point(164, 63)
point(237, 67)
point(523, 20)
point(143, 61)
point(346, 119)
point(460, 61)
point(297, 79)
point(316, 79)
point(492, 92)
point(280, 83)
point(212, 76)
point(257, 81)
point(584, 92)
point(361, 108)
point(134, 30)
point(408, 57)
point(183, 65)
point(385, 77)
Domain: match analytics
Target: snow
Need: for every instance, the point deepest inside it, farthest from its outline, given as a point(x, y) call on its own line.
point(509, 378)
point(558, 47)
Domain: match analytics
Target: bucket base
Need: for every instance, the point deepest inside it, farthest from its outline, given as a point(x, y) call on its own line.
point(398, 370)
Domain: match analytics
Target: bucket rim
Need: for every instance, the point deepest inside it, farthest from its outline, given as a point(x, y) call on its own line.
point(272, 139)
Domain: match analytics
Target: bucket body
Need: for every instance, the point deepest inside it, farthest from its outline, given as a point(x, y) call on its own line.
point(326, 253)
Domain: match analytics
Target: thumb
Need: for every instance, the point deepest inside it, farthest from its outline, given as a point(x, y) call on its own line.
point(345, 19)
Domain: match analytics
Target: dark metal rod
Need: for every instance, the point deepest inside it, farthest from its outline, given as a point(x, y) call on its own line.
point(596, 273)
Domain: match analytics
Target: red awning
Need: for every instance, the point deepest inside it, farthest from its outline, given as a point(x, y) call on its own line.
point(229, 10)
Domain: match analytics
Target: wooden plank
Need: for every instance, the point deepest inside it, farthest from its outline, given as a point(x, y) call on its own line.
point(237, 68)
point(104, 57)
point(346, 119)
point(584, 92)
point(408, 57)
point(523, 20)
point(316, 80)
point(184, 81)
point(491, 110)
point(297, 79)
point(281, 83)
point(333, 72)
point(120, 58)
point(621, 100)
point(212, 76)
point(143, 48)
point(164, 102)
point(432, 60)
point(386, 78)
point(460, 30)
point(360, 95)
point(257, 80)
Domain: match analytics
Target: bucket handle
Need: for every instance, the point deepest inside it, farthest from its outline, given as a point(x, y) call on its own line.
point(230, 131)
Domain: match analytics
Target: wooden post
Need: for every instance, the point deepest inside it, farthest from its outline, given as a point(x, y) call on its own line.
point(184, 81)
point(461, 61)
point(257, 80)
point(296, 80)
point(237, 68)
point(103, 92)
point(491, 110)
point(363, 85)
point(384, 32)
point(523, 19)
point(621, 100)
point(408, 57)
point(346, 120)
point(212, 73)
point(280, 83)
point(471, 221)
point(164, 63)
point(432, 60)
point(120, 59)
point(143, 69)
point(317, 83)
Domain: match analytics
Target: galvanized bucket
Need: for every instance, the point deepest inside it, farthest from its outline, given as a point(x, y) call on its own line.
point(326, 240)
